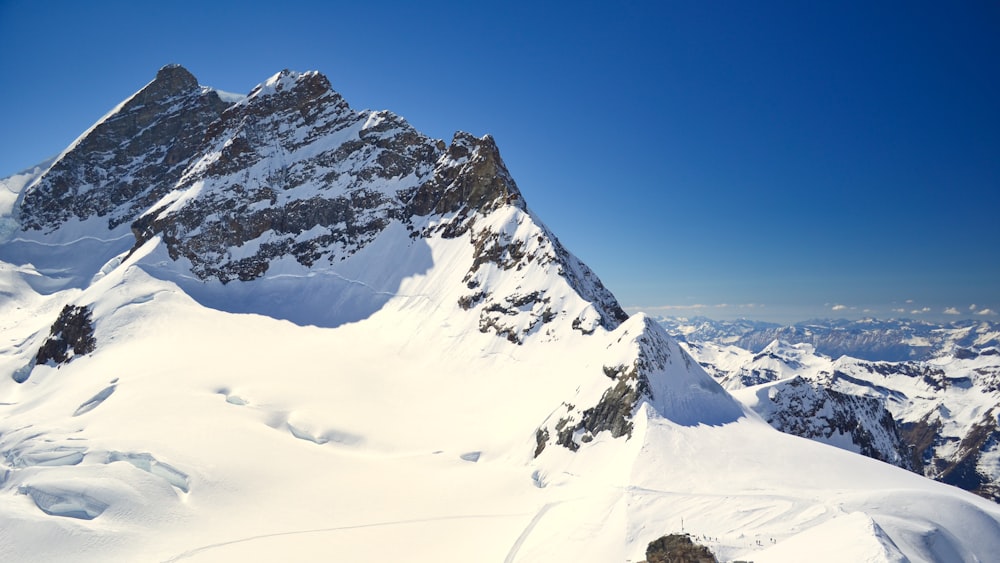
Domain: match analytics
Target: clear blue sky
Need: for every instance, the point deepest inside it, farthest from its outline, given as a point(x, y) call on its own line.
point(796, 156)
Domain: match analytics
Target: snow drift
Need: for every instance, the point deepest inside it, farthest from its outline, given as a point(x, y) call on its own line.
point(321, 335)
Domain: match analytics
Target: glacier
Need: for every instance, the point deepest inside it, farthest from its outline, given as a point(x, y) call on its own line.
point(321, 335)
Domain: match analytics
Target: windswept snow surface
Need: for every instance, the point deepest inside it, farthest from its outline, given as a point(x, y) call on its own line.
point(388, 401)
point(194, 434)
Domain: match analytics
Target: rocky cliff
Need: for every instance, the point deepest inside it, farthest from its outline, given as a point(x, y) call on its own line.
point(937, 417)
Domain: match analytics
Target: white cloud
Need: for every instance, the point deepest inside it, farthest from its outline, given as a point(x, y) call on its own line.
point(899, 310)
point(909, 301)
point(986, 312)
point(838, 307)
point(972, 307)
point(920, 311)
point(952, 311)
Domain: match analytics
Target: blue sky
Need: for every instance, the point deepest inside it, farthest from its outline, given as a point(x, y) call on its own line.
point(774, 160)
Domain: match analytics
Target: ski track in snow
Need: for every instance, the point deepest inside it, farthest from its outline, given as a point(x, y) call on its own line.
point(71, 242)
point(192, 552)
point(394, 377)
point(354, 282)
point(527, 532)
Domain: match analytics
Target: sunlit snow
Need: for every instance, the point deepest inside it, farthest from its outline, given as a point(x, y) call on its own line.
point(353, 411)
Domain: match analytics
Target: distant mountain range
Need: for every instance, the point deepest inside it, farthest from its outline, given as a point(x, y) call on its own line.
point(273, 327)
point(937, 415)
point(894, 340)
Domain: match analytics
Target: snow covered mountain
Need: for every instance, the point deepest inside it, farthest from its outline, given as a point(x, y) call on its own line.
point(892, 340)
point(274, 327)
point(938, 417)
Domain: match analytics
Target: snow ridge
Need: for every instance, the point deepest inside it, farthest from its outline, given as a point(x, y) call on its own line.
point(451, 375)
point(937, 417)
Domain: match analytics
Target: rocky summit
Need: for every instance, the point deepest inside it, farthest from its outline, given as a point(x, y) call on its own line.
point(128, 160)
point(275, 327)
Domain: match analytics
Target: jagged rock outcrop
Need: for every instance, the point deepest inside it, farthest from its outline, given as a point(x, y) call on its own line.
point(617, 404)
point(612, 413)
point(292, 178)
point(659, 374)
point(946, 409)
point(291, 173)
point(677, 548)
point(966, 463)
point(129, 159)
point(449, 326)
point(516, 313)
point(936, 417)
point(71, 335)
point(469, 176)
point(812, 410)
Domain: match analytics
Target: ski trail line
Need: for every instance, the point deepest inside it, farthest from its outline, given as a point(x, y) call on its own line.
point(527, 531)
point(197, 550)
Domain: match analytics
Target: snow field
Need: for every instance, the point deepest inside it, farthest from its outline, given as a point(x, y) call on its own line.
point(355, 411)
point(411, 425)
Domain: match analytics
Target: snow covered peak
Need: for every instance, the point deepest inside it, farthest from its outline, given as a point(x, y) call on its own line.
point(786, 349)
point(305, 85)
point(284, 80)
point(647, 369)
point(448, 364)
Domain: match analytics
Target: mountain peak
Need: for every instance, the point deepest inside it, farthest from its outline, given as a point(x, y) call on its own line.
point(470, 176)
point(171, 81)
point(127, 159)
point(451, 334)
point(177, 76)
point(310, 84)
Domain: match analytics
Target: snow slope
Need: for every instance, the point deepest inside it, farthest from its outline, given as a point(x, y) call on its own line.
point(938, 416)
point(266, 439)
point(470, 394)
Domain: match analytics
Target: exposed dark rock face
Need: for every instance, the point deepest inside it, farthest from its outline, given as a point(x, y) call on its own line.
point(470, 176)
point(71, 335)
point(516, 315)
point(935, 417)
point(922, 437)
point(614, 410)
point(129, 160)
point(292, 173)
point(349, 155)
point(962, 468)
point(541, 440)
point(292, 135)
point(677, 548)
point(956, 454)
point(808, 409)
